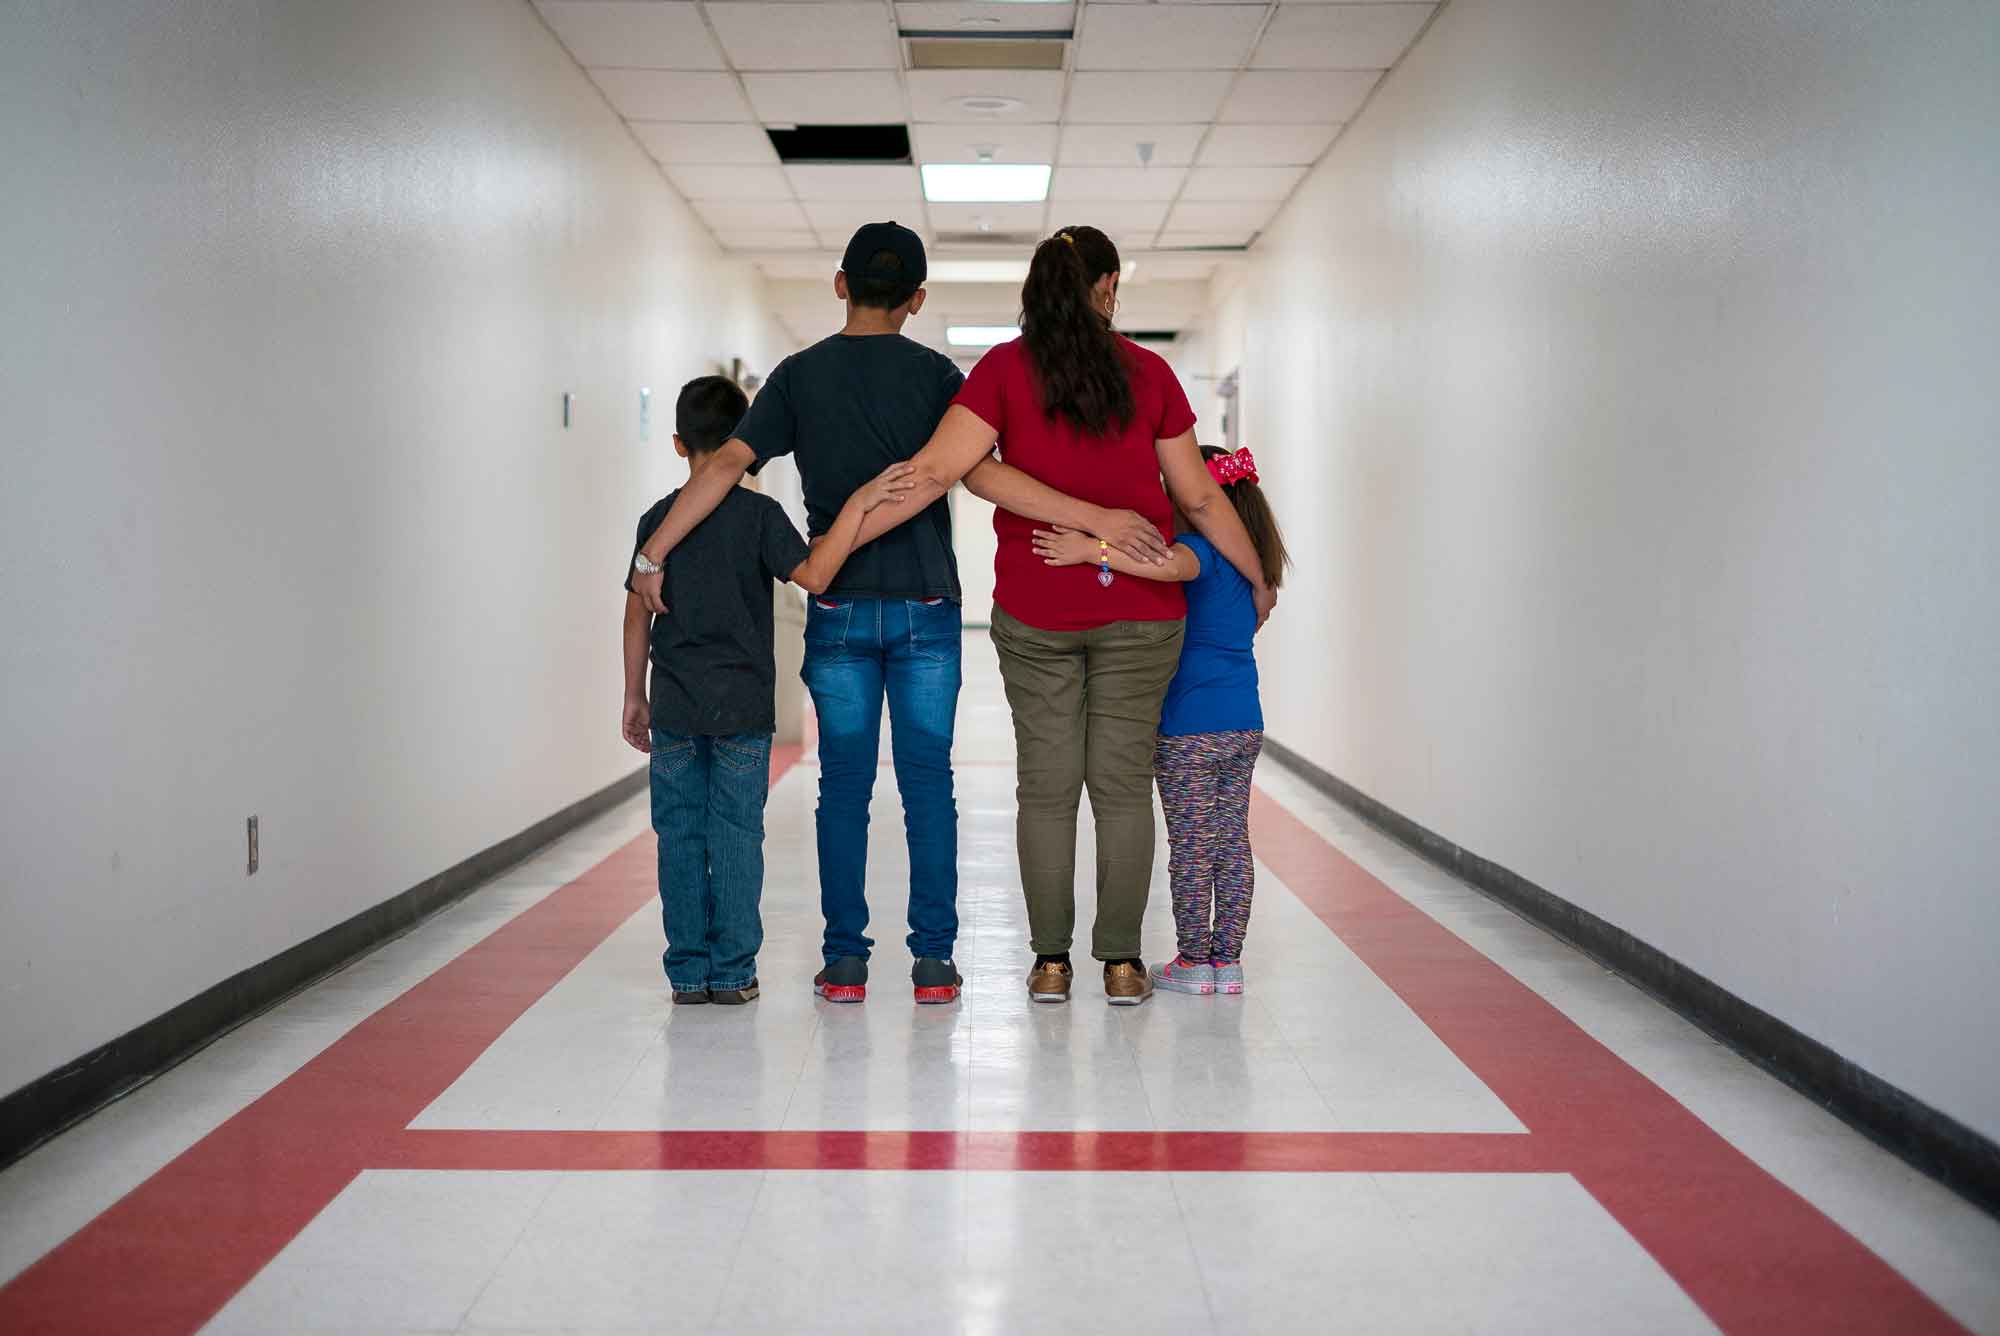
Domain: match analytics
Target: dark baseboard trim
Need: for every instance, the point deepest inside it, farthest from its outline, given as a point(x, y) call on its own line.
point(74, 1091)
point(1930, 1140)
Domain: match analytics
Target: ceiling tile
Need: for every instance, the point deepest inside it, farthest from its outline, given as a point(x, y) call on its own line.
point(661, 95)
point(751, 216)
point(843, 216)
point(987, 217)
point(962, 143)
point(1220, 215)
point(1167, 37)
point(1107, 98)
point(1171, 240)
point(1297, 97)
point(1116, 183)
point(709, 182)
point(1113, 216)
point(836, 220)
point(1118, 145)
point(1150, 266)
point(842, 181)
point(1242, 183)
point(1266, 145)
point(683, 142)
point(973, 18)
point(637, 34)
point(855, 97)
point(1339, 37)
point(1130, 226)
point(738, 240)
point(934, 95)
point(806, 36)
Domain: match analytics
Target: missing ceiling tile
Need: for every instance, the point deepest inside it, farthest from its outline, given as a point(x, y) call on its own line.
point(842, 143)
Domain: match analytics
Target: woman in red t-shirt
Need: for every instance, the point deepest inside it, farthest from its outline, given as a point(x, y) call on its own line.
point(1086, 654)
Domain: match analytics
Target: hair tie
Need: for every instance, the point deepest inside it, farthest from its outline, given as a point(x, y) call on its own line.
point(1229, 469)
point(1064, 236)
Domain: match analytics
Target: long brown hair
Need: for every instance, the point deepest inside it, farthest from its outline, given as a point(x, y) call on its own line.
point(1254, 509)
point(1075, 356)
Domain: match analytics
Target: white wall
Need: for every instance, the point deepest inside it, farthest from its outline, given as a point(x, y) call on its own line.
point(1625, 377)
point(289, 522)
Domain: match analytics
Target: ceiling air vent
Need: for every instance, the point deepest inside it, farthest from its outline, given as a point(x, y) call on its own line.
point(1013, 52)
point(842, 143)
point(1013, 239)
point(1151, 335)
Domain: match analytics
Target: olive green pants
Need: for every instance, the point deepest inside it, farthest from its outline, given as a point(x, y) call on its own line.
point(1086, 711)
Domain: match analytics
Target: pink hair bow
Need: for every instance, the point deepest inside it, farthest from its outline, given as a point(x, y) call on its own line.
point(1238, 467)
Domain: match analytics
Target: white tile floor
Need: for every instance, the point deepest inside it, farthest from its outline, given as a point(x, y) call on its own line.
point(1318, 1044)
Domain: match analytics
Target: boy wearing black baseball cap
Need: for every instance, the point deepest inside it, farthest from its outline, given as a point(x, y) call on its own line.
point(888, 626)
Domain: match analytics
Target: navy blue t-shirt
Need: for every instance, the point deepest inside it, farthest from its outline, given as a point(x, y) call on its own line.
point(847, 408)
point(714, 662)
point(1215, 688)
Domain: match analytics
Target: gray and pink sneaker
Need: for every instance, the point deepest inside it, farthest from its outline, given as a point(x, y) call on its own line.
point(1228, 976)
point(1181, 975)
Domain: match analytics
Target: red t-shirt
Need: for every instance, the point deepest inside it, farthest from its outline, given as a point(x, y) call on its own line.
point(1120, 470)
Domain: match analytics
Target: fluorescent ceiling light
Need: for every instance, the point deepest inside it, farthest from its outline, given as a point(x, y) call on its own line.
point(979, 336)
point(978, 271)
point(1129, 268)
point(986, 182)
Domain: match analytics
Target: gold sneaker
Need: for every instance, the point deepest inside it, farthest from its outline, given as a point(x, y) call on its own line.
point(1049, 981)
point(1126, 984)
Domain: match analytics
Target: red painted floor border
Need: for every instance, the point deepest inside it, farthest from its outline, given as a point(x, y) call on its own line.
point(1755, 1256)
point(169, 1254)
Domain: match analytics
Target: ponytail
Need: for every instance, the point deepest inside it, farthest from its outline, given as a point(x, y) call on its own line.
point(1074, 354)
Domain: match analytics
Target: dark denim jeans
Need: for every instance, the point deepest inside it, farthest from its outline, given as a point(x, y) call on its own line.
point(857, 652)
point(708, 809)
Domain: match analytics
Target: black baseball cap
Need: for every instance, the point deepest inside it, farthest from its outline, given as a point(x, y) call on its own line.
point(872, 239)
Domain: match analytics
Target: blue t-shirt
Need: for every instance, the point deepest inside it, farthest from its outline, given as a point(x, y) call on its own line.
point(1215, 688)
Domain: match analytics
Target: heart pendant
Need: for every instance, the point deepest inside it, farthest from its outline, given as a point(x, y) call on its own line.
point(1104, 578)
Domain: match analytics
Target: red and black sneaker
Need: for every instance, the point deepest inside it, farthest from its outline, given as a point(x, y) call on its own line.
point(937, 981)
point(845, 980)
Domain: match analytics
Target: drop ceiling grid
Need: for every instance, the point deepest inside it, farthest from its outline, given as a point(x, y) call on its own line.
point(791, 188)
point(1174, 206)
point(1231, 184)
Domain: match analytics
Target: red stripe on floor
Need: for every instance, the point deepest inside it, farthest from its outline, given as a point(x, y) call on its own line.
point(1755, 1255)
point(1077, 1152)
point(172, 1252)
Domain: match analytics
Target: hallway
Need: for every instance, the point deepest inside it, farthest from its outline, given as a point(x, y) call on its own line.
point(1423, 1116)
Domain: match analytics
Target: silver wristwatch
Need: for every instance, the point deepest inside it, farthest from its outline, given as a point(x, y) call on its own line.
point(643, 566)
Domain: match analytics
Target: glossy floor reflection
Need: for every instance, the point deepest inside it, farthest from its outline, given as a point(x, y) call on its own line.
point(994, 1166)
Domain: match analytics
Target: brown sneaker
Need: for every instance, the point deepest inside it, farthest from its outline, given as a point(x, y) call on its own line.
point(1126, 983)
point(1049, 981)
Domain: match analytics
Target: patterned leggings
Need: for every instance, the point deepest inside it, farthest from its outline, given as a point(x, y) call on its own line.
point(1205, 789)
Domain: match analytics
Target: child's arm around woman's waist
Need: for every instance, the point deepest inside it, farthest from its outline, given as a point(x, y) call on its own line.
point(1067, 547)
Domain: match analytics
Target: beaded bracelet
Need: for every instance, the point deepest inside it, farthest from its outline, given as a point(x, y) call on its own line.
point(1103, 563)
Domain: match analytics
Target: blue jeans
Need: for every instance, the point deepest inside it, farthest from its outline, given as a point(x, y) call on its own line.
point(858, 651)
point(708, 809)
